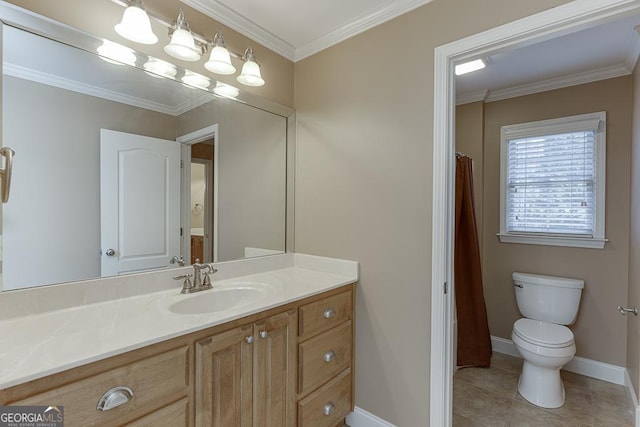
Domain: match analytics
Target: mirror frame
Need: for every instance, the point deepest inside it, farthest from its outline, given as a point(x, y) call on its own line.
point(43, 26)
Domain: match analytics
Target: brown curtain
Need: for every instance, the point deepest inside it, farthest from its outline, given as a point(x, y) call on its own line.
point(474, 341)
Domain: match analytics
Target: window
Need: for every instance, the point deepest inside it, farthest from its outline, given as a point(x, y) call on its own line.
point(552, 189)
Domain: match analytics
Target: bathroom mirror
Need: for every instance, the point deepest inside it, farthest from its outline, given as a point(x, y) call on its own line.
point(117, 169)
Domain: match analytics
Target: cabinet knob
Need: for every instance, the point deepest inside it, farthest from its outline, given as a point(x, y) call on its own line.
point(249, 339)
point(263, 334)
point(115, 397)
point(328, 409)
point(329, 356)
point(329, 313)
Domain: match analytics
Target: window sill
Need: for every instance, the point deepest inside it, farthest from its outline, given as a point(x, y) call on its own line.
point(574, 242)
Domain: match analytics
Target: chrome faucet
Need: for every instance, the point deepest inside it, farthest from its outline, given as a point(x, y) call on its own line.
point(201, 279)
point(179, 261)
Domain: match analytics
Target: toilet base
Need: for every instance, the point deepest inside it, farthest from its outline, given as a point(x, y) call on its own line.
point(541, 386)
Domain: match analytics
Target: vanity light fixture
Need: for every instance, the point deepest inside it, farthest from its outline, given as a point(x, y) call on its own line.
point(158, 68)
point(225, 90)
point(117, 54)
point(135, 24)
point(220, 59)
point(183, 45)
point(250, 75)
point(468, 67)
point(196, 80)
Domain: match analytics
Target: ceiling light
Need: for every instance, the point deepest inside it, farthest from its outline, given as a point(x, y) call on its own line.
point(158, 68)
point(135, 24)
point(196, 80)
point(469, 67)
point(219, 60)
point(115, 53)
point(250, 75)
point(226, 90)
point(182, 45)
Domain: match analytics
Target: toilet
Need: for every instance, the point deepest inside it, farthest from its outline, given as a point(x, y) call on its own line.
point(547, 304)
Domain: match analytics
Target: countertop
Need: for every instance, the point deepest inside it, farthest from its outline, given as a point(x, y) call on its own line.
point(59, 336)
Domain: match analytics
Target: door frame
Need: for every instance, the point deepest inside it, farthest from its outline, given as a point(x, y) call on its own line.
point(208, 202)
point(564, 19)
point(187, 141)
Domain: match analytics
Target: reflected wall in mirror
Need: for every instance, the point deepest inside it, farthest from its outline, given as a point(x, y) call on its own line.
point(60, 104)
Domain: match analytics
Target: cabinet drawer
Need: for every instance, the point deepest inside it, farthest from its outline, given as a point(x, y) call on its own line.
point(324, 314)
point(327, 406)
point(323, 356)
point(155, 382)
point(174, 415)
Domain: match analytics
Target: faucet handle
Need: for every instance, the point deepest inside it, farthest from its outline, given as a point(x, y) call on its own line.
point(206, 281)
point(187, 287)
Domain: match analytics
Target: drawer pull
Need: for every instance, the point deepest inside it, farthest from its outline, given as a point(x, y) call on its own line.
point(264, 334)
point(329, 313)
point(329, 409)
point(115, 397)
point(249, 339)
point(329, 356)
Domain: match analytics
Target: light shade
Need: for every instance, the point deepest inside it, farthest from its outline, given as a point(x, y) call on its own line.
point(196, 80)
point(219, 60)
point(469, 67)
point(250, 75)
point(135, 25)
point(115, 53)
point(158, 68)
point(226, 90)
point(182, 45)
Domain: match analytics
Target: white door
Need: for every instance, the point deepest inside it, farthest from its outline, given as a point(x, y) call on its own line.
point(139, 202)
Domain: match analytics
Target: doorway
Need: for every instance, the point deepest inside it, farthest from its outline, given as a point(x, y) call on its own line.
point(199, 194)
point(560, 20)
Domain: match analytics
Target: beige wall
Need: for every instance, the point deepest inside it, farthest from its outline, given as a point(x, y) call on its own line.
point(99, 16)
point(633, 325)
point(600, 332)
point(364, 185)
point(470, 141)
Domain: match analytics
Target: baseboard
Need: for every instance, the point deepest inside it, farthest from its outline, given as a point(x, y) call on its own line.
point(579, 365)
point(633, 397)
point(361, 418)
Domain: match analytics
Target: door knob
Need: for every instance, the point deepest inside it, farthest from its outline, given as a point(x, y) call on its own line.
point(110, 252)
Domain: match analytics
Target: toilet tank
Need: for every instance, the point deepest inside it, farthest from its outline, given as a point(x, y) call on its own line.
point(548, 298)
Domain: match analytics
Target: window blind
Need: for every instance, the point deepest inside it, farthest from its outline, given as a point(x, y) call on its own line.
point(551, 182)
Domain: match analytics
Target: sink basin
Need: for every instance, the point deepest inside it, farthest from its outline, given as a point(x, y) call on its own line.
point(217, 299)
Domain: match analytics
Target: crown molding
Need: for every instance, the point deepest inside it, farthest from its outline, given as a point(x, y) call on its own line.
point(370, 20)
point(239, 23)
point(469, 97)
point(216, 10)
point(545, 85)
point(633, 52)
point(560, 82)
point(86, 89)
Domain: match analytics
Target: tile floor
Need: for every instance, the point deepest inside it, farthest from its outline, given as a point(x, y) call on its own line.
point(488, 397)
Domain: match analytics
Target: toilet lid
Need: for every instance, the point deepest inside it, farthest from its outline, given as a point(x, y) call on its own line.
point(543, 333)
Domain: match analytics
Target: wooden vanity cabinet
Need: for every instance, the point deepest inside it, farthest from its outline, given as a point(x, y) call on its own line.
point(287, 366)
point(246, 376)
point(159, 379)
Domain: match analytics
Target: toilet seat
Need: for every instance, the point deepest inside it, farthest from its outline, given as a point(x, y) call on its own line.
point(543, 334)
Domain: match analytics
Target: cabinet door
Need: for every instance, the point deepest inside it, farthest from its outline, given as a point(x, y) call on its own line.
point(274, 399)
point(223, 395)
